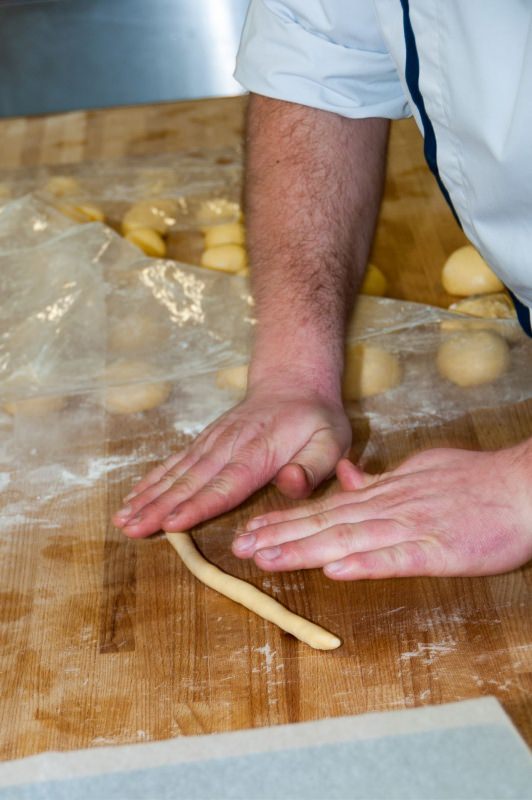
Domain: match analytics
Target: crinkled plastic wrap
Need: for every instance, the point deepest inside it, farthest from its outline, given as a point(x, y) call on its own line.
point(206, 185)
point(414, 333)
point(78, 298)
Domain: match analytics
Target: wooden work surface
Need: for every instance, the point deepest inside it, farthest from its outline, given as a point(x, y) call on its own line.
point(106, 640)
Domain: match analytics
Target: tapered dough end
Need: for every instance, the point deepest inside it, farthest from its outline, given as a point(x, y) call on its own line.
point(324, 641)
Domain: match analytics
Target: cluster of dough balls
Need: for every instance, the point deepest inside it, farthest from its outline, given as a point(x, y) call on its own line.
point(64, 188)
point(147, 223)
point(130, 388)
point(225, 247)
point(475, 351)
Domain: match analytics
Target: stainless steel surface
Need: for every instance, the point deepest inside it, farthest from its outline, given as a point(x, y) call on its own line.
point(57, 55)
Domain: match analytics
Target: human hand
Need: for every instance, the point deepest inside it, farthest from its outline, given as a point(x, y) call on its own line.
point(291, 436)
point(442, 512)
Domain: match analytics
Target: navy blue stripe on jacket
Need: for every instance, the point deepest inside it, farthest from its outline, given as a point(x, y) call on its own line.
point(412, 80)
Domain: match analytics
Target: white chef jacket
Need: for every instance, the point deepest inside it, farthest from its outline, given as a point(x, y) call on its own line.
point(463, 68)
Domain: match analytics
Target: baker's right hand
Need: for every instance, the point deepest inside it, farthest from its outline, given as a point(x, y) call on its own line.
point(289, 436)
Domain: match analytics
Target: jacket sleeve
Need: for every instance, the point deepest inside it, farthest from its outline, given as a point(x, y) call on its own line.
point(328, 55)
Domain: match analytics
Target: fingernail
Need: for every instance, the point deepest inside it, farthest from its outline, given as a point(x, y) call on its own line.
point(270, 554)
point(335, 567)
point(253, 524)
point(129, 497)
point(134, 521)
point(244, 543)
point(124, 512)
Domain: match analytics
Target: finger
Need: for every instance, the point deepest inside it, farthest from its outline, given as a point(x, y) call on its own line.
point(407, 559)
point(230, 487)
point(331, 545)
point(153, 476)
point(171, 479)
point(245, 545)
point(149, 510)
point(298, 512)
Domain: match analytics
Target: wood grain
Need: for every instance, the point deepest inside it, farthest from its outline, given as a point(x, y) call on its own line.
point(106, 640)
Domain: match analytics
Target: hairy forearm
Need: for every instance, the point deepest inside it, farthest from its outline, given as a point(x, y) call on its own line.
point(313, 189)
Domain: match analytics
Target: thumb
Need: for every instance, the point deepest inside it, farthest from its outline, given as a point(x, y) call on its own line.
point(350, 476)
point(314, 463)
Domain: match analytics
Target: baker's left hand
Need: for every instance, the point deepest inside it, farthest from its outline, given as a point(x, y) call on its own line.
point(443, 512)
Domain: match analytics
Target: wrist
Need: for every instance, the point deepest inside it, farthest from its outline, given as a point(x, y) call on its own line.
point(305, 362)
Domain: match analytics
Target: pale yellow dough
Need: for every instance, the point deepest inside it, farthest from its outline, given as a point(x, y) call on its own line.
point(230, 233)
point(83, 212)
point(149, 241)
point(471, 359)
point(250, 597)
point(233, 379)
point(157, 214)
point(225, 257)
point(484, 311)
point(369, 370)
point(212, 211)
point(134, 332)
point(133, 391)
point(465, 272)
point(60, 185)
point(35, 406)
point(374, 282)
point(487, 306)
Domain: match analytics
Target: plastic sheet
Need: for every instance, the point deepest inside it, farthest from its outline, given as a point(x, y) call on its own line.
point(206, 185)
point(76, 298)
point(414, 333)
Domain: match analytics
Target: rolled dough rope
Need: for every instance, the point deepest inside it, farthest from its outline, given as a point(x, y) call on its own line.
point(249, 596)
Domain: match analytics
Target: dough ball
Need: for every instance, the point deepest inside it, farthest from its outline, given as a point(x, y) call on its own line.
point(84, 212)
point(60, 185)
point(157, 215)
point(211, 212)
point(92, 213)
point(130, 395)
point(489, 306)
point(369, 370)
point(225, 257)
point(234, 379)
point(465, 272)
point(470, 359)
point(134, 332)
point(35, 406)
point(149, 241)
point(231, 233)
point(374, 282)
